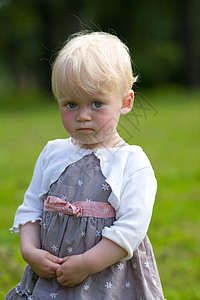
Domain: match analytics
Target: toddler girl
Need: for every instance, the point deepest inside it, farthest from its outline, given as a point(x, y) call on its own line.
point(85, 215)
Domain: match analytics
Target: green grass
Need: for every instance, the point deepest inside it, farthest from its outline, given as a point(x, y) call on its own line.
point(166, 124)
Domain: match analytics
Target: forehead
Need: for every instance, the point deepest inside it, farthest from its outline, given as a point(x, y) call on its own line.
point(98, 97)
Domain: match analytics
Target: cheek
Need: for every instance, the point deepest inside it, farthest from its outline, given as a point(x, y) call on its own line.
point(111, 116)
point(67, 120)
point(107, 120)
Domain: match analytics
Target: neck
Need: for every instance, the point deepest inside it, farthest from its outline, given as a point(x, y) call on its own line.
point(113, 142)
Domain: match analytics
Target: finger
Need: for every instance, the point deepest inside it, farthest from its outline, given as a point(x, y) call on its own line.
point(66, 258)
point(66, 283)
point(51, 276)
point(50, 267)
point(55, 259)
point(58, 272)
point(71, 284)
point(53, 267)
point(48, 275)
point(61, 279)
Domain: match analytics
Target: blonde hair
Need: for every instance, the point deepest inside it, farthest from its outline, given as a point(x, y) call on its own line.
point(92, 63)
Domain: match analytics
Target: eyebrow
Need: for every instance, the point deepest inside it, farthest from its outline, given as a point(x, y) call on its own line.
point(103, 98)
point(90, 98)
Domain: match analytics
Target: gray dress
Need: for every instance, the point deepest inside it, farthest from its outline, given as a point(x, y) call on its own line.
point(64, 235)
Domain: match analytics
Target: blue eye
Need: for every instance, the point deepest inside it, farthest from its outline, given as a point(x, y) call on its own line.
point(71, 105)
point(96, 104)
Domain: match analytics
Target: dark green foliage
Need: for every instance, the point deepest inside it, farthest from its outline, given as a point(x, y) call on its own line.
point(163, 36)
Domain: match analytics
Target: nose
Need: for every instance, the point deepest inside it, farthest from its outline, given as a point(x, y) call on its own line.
point(83, 114)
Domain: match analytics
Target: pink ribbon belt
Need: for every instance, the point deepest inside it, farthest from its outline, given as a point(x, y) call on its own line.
point(79, 208)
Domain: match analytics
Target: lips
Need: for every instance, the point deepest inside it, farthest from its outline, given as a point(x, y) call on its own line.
point(85, 129)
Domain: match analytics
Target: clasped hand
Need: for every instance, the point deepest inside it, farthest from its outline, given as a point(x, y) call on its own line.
point(72, 271)
point(69, 270)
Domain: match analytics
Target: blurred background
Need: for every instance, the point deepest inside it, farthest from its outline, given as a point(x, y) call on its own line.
point(164, 41)
point(163, 37)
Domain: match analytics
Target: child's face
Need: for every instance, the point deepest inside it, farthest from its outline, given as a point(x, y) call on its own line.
point(92, 122)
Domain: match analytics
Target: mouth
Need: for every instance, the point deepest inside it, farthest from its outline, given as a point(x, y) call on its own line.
point(85, 129)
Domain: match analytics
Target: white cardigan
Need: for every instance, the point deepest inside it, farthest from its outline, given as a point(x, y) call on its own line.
point(128, 172)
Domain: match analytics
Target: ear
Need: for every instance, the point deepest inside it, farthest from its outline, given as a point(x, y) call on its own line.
point(127, 103)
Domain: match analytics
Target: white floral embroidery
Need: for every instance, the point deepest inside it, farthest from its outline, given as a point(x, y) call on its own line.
point(105, 186)
point(53, 295)
point(86, 287)
point(108, 285)
point(97, 168)
point(44, 225)
point(30, 298)
point(80, 182)
point(134, 265)
point(73, 165)
point(17, 288)
point(98, 233)
point(146, 264)
point(154, 282)
point(64, 197)
point(106, 210)
point(88, 200)
point(120, 266)
point(70, 249)
point(83, 233)
point(127, 284)
point(54, 248)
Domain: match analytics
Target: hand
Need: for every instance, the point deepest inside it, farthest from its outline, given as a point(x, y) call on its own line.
point(72, 271)
point(76, 268)
point(43, 263)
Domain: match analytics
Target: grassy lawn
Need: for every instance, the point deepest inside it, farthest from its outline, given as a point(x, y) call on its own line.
point(165, 123)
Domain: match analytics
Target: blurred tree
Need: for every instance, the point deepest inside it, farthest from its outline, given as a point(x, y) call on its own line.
point(150, 27)
point(163, 36)
point(19, 47)
point(189, 40)
point(31, 31)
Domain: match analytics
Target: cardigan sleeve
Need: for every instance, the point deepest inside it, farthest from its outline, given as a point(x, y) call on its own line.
point(31, 208)
point(134, 213)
